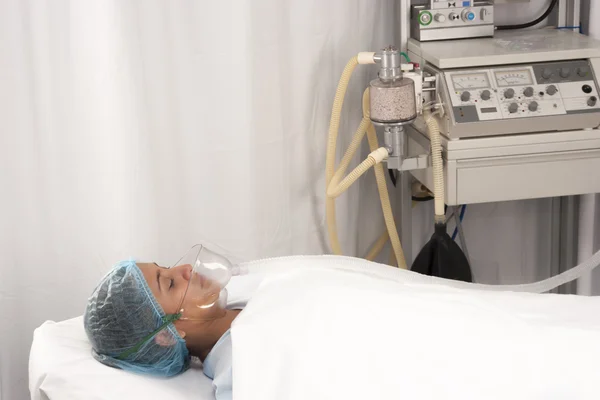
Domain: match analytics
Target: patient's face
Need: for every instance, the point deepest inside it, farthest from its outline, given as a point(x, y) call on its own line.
point(167, 284)
point(169, 287)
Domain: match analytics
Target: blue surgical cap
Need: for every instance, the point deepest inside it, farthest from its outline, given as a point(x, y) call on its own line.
point(121, 320)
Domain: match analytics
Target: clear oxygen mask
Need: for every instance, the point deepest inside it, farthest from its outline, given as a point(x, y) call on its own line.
point(205, 297)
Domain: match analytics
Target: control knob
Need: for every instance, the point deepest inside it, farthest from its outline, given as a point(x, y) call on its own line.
point(453, 16)
point(551, 90)
point(546, 73)
point(440, 18)
point(565, 72)
point(509, 93)
point(468, 15)
point(485, 95)
point(465, 96)
point(528, 91)
point(533, 106)
point(592, 101)
point(513, 108)
point(582, 71)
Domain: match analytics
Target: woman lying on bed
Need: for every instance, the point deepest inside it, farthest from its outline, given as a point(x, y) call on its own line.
point(151, 320)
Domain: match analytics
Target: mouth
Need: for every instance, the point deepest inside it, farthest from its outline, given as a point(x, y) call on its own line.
point(201, 281)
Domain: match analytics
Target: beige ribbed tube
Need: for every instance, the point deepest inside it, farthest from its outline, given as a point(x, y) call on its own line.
point(384, 197)
point(334, 126)
point(335, 187)
point(438, 166)
point(378, 246)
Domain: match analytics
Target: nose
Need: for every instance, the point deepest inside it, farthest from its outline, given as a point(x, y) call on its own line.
point(185, 271)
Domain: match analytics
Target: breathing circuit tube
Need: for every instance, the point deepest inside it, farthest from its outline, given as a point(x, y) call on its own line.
point(334, 126)
point(336, 185)
point(438, 166)
point(274, 265)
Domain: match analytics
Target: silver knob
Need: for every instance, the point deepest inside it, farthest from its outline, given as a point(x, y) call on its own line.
point(533, 106)
point(485, 95)
point(440, 18)
point(551, 90)
point(528, 92)
point(465, 96)
point(513, 108)
point(509, 93)
point(453, 16)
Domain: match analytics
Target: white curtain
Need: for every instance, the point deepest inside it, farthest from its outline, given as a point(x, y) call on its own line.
point(138, 128)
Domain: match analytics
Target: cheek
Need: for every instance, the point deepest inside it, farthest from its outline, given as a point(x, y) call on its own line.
point(201, 295)
point(170, 303)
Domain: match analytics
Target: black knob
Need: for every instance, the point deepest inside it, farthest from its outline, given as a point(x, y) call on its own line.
point(551, 90)
point(513, 108)
point(586, 89)
point(465, 96)
point(528, 92)
point(509, 93)
point(485, 95)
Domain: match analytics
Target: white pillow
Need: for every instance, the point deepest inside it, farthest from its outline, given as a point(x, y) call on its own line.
point(61, 366)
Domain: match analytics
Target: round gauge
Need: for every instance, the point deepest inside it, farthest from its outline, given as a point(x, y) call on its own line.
point(470, 81)
point(513, 77)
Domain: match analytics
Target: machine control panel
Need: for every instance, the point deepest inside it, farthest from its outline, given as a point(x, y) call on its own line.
point(444, 20)
point(523, 91)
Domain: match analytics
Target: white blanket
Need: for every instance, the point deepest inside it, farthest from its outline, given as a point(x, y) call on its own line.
point(327, 334)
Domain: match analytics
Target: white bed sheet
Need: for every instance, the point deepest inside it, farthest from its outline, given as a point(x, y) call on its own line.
point(322, 333)
point(61, 367)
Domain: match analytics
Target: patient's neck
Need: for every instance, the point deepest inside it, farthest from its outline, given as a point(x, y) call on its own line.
point(200, 345)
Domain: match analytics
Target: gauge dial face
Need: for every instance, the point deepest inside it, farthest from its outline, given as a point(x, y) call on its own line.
point(519, 77)
point(476, 80)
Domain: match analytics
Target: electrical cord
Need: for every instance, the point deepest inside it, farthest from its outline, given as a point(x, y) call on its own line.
point(531, 23)
point(461, 234)
point(462, 215)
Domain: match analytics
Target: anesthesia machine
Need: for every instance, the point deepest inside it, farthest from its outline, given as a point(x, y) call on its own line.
point(473, 113)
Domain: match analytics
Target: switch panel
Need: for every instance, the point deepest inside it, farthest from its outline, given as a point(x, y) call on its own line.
point(452, 20)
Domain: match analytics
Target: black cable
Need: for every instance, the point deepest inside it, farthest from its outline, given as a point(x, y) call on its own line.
point(532, 23)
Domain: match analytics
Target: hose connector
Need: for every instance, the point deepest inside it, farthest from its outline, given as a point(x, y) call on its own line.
point(366, 57)
point(391, 66)
point(379, 155)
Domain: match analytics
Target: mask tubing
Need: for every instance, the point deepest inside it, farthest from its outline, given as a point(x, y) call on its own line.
point(274, 265)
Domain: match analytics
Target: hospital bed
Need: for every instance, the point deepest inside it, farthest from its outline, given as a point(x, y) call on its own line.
point(545, 346)
point(61, 367)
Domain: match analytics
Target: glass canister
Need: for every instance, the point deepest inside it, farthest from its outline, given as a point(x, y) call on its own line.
point(392, 101)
